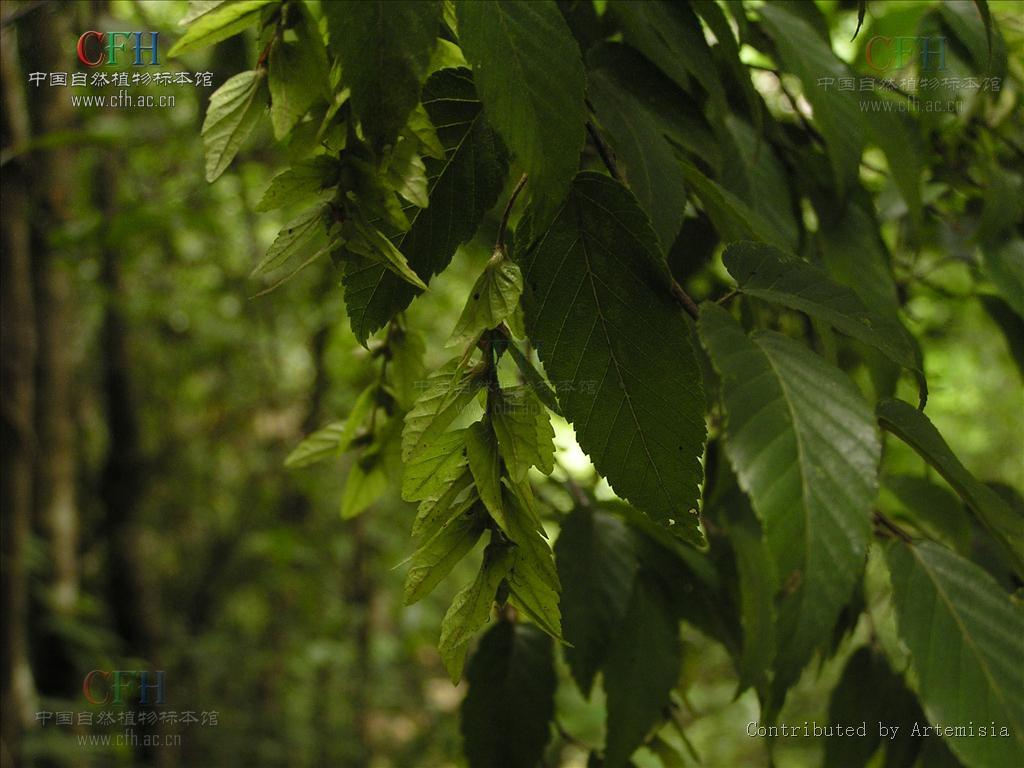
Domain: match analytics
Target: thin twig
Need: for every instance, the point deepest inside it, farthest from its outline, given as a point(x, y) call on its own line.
point(892, 527)
point(508, 211)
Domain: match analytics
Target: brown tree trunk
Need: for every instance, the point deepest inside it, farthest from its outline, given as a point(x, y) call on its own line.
point(17, 329)
point(44, 33)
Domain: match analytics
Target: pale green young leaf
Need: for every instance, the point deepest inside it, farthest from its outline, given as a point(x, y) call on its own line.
point(448, 390)
point(471, 608)
point(305, 233)
point(524, 431)
point(485, 465)
point(434, 468)
point(366, 482)
point(507, 711)
point(405, 369)
point(212, 23)
point(310, 179)
point(916, 430)
point(494, 296)
point(370, 243)
point(528, 71)
point(454, 498)
point(804, 447)
point(335, 438)
point(407, 174)
point(234, 110)
point(533, 580)
point(436, 557)
point(534, 379)
point(966, 640)
point(616, 346)
point(384, 48)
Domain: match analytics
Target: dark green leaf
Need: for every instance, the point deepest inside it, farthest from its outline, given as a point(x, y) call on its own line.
point(804, 447)
point(916, 430)
point(475, 160)
point(966, 640)
point(807, 55)
point(511, 698)
point(384, 48)
point(528, 71)
point(642, 665)
point(599, 309)
point(597, 567)
point(773, 275)
point(644, 154)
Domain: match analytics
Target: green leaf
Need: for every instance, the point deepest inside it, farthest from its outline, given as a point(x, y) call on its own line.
point(511, 698)
point(495, 296)
point(964, 635)
point(335, 438)
point(306, 232)
point(597, 567)
point(770, 274)
point(298, 72)
point(1003, 205)
point(670, 35)
point(405, 370)
point(836, 114)
point(370, 242)
point(234, 110)
point(870, 691)
point(528, 71)
point(384, 49)
point(211, 24)
point(366, 482)
point(533, 580)
point(732, 217)
point(643, 152)
point(435, 467)
point(916, 430)
point(485, 466)
point(441, 552)
point(854, 254)
point(641, 669)
point(804, 447)
point(1012, 326)
point(523, 428)
point(471, 608)
point(1005, 266)
point(758, 585)
point(448, 390)
point(534, 379)
point(453, 499)
point(475, 159)
point(407, 174)
point(310, 179)
point(932, 509)
point(599, 309)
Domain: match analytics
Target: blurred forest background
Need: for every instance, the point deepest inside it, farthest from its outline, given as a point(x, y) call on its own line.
point(149, 400)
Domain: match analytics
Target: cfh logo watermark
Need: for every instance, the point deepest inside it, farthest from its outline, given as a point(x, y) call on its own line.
point(121, 686)
point(112, 49)
point(884, 53)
